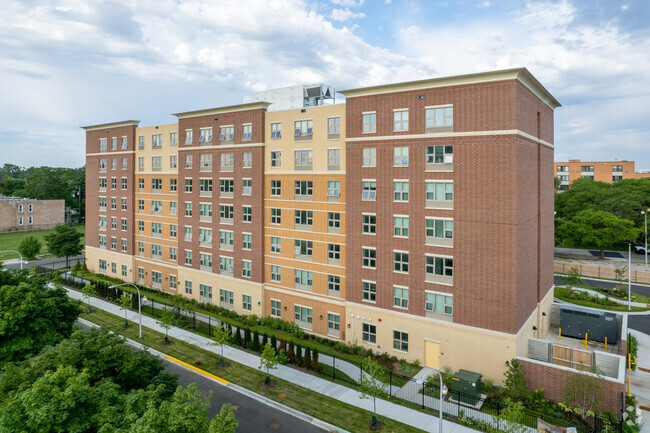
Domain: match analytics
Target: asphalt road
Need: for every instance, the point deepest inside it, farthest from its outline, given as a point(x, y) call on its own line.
point(641, 289)
point(58, 262)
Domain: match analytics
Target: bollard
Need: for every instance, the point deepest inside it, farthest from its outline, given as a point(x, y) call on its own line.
point(559, 335)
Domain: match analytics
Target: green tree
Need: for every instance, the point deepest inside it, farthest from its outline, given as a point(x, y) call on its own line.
point(125, 303)
point(33, 316)
point(515, 383)
point(88, 291)
point(599, 228)
point(49, 183)
point(268, 361)
point(371, 384)
point(29, 247)
point(65, 241)
point(225, 421)
point(165, 322)
point(584, 391)
point(221, 336)
point(509, 420)
point(573, 277)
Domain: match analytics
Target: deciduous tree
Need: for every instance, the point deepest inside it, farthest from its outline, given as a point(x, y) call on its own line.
point(65, 241)
point(371, 384)
point(29, 247)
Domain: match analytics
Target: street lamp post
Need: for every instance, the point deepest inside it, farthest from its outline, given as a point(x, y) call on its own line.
point(139, 301)
point(645, 217)
point(629, 277)
point(443, 390)
point(14, 251)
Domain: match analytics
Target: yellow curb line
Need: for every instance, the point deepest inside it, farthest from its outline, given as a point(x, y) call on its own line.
point(198, 370)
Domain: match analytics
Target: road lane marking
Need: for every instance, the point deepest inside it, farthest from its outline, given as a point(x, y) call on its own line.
point(198, 370)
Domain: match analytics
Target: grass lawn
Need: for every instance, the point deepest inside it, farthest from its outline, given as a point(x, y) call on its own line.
point(325, 408)
point(564, 294)
point(10, 241)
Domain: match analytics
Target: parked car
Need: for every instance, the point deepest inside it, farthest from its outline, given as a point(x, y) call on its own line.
point(639, 249)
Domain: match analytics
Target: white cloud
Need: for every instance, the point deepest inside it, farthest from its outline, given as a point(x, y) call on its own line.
point(485, 4)
point(345, 14)
point(348, 3)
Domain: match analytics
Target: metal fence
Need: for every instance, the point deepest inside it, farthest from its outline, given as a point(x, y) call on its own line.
point(607, 272)
point(460, 407)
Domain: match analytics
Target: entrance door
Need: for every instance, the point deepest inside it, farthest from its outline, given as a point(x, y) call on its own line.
point(432, 354)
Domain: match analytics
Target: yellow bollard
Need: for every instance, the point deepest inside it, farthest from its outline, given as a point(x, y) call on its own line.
point(559, 335)
point(629, 361)
point(586, 335)
point(605, 344)
point(628, 386)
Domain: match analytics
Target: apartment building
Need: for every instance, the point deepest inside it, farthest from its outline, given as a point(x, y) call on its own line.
point(393, 221)
point(604, 171)
point(21, 214)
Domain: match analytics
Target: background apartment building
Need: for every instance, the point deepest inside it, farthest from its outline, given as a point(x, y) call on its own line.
point(393, 221)
point(21, 214)
point(603, 171)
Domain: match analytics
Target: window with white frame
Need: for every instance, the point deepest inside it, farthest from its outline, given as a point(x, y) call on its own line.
point(125, 142)
point(227, 133)
point(141, 249)
point(173, 138)
point(276, 188)
point(401, 261)
point(304, 219)
point(188, 287)
point(439, 269)
point(401, 226)
point(188, 257)
point(400, 297)
point(333, 159)
point(400, 120)
point(369, 157)
point(125, 163)
point(173, 254)
point(102, 241)
point(205, 237)
point(369, 223)
point(247, 214)
point(141, 142)
point(276, 273)
point(124, 244)
point(188, 208)
point(205, 160)
point(369, 290)
point(103, 144)
point(189, 135)
point(442, 154)
point(303, 279)
point(333, 324)
point(369, 192)
point(156, 251)
point(303, 128)
point(113, 163)
point(438, 303)
point(303, 189)
point(303, 249)
point(276, 158)
point(124, 183)
point(205, 261)
point(303, 159)
point(172, 207)
point(124, 224)
point(438, 229)
point(246, 303)
point(333, 253)
point(369, 257)
point(333, 285)
point(439, 119)
point(173, 282)
point(401, 341)
point(303, 316)
point(247, 160)
point(226, 213)
point(369, 333)
point(188, 234)
point(102, 165)
point(276, 130)
point(246, 268)
point(205, 291)
point(226, 239)
point(102, 266)
point(173, 231)
point(247, 186)
point(124, 271)
point(156, 186)
point(333, 127)
point(227, 161)
point(276, 216)
point(369, 122)
point(188, 161)
point(205, 186)
point(205, 211)
point(102, 184)
point(333, 188)
point(439, 194)
point(247, 241)
point(156, 141)
point(276, 244)
point(247, 132)
point(401, 190)
point(226, 264)
point(276, 308)
point(114, 143)
point(173, 185)
point(205, 135)
point(333, 222)
point(188, 184)
point(401, 156)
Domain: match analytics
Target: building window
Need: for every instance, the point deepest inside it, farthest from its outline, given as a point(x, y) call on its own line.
point(188, 184)
point(156, 278)
point(247, 241)
point(439, 229)
point(401, 190)
point(401, 297)
point(227, 162)
point(247, 214)
point(141, 249)
point(102, 184)
point(400, 341)
point(303, 159)
point(141, 163)
point(247, 160)
point(124, 245)
point(226, 239)
point(616, 178)
point(247, 186)
point(124, 224)
point(141, 142)
point(226, 265)
point(303, 315)
point(205, 212)
point(114, 143)
point(439, 194)
point(401, 226)
point(156, 141)
point(369, 291)
point(276, 216)
point(172, 282)
point(438, 303)
point(205, 237)
point(369, 223)
point(205, 186)
point(333, 253)
point(173, 231)
point(205, 135)
point(304, 189)
point(303, 129)
point(102, 203)
point(113, 223)
point(124, 271)
point(173, 255)
point(188, 209)
point(156, 186)
point(333, 222)
point(205, 162)
point(587, 169)
point(102, 265)
point(188, 287)
point(113, 183)
point(303, 279)
point(333, 188)
point(369, 122)
point(188, 161)
point(401, 156)
point(369, 258)
point(124, 142)
point(246, 303)
point(276, 308)
point(246, 268)
point(102, 241)
point(124, 204)
point(303, 249)
point(276, 130)
point(226, 213)
point(189, 134)
point(333, 285)
point(276, 244)
point(173, 138)
point(113, 163)
point(333, 159)
point(436, 267)
point(140, 227)
point(615, 168)
point(247, 132)
point(188, 257)
point(276, 158)
point(333, 127)
point(125, 163)
point(124, 183)
point(439, 119)
point(227, 133)
point(401, 120)
point(102, 144)
point(276, 273)
point(440, 154)
point(563, 168)
point(369, 190)
point(400, 261)
point(276, 188)
point(172, 208)
point(20, 221)
point(188, 234)
point(369, 334)
point(173, 185)
point(563, 177)
point(333, 324)
point(156, 251)
point(369, 157)
point(205, 291)
point(304, 218)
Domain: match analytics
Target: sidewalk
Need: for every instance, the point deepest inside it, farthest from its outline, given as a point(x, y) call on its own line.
point(640, 380)
point(344, 394)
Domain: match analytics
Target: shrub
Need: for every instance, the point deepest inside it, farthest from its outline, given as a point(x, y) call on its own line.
point(265, 339)
point(416, 364)
point(236, 339)
point(384, 356)
point(256, 341)
point(274, 341)
point(291, 353)
point(307, 359)
point(314, 361)
point(393, 358)
point(282, 357)
point(298, 355)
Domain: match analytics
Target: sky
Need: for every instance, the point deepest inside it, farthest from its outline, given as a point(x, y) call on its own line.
point(70, 63)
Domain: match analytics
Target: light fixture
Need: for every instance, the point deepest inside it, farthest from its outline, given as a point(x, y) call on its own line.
point(349, 325)
point(420, 96)
point(216, 118)
point(321, 317)
point(534, 328)
point(259, 303)
point(285, 308)
point(543, 313)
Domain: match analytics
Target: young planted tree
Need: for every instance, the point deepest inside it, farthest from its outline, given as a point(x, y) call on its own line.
point(221, 336)
point(515, 383)
point(165, 321)
point(225, 421)
point(268, 361)
point(509, 420)
point(573, 276)
point(88, 291)
point(584, 391)
point(371, 385)
point(29, 247)
point(125, 303)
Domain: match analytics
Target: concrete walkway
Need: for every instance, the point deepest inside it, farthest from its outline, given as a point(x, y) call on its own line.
point(344, 394)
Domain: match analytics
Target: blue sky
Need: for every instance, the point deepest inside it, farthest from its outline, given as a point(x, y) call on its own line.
point(68, 63)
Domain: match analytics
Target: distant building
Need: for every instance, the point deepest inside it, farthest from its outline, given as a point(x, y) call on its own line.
point(603, 171)
point(21, 214)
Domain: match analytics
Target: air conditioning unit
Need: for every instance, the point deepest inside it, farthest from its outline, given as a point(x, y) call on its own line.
point(201, 139)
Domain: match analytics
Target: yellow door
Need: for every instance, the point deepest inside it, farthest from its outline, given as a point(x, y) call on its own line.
point(432, 354)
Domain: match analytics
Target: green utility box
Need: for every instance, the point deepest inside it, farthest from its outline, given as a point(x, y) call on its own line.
point(468, 384)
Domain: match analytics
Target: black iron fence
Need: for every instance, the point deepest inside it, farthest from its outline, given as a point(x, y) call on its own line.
point(467, 409)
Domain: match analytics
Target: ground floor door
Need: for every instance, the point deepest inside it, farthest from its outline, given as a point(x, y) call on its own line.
point(432, 354)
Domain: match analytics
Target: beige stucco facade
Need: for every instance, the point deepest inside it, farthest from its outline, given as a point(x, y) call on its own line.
point(94, 255)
